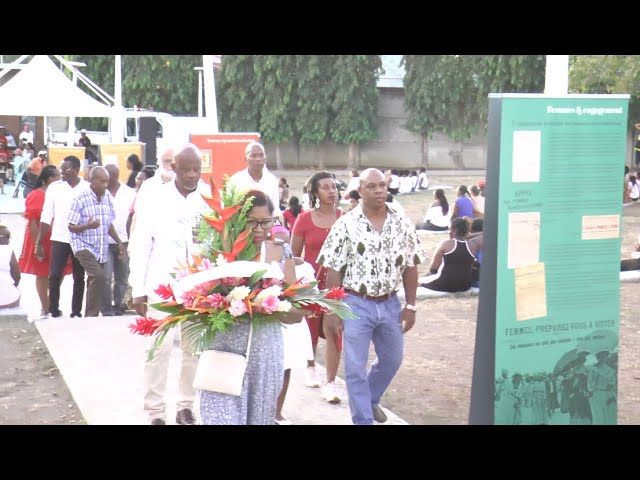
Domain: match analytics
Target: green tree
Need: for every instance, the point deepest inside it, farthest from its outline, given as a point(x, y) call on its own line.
point(238, 108)
point(506, 74)
point(148, 81)
point(420, 99)
point(101, 70)
point(166, 83)
point(355, 102)
point(315, 93)
point(276, 91)
point(607, 74)
point(448, 94)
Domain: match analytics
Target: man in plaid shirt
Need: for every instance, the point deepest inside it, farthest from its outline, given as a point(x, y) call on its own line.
point(90, 222)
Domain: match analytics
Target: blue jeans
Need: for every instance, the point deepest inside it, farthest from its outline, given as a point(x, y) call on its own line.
point(378, 322)
point(119, 269)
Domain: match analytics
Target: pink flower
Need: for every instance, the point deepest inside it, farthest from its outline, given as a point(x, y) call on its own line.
point(270, 304)
point(216, 300)
point(205, 264)
point(234, 281)
point(188, 298)
point(237, 308)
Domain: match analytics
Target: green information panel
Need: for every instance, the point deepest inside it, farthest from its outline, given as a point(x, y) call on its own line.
point(556, 214)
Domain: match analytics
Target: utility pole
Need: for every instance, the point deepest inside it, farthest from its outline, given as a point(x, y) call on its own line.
point(117, 117)
point(199, 70)
point(556, 81)
point(72, 119)
point(211, 110)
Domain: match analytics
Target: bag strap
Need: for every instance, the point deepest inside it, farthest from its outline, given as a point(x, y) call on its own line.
point(249, 342)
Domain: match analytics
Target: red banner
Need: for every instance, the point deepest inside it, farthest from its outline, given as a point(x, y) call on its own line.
point(223, 153)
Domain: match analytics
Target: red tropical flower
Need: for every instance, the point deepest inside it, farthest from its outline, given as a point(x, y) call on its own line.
point(144, 326)
point(214, 200)
point(315, 310)
point(165, 292)
point(336, 293)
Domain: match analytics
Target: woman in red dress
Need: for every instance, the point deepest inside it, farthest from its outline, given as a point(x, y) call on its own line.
point(309, 233)
point(28, 262)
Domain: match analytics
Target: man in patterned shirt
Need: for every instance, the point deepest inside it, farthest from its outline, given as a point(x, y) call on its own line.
point(90, 223)
point(368, 252)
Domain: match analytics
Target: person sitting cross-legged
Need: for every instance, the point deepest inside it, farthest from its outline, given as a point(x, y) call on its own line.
point(453, 260)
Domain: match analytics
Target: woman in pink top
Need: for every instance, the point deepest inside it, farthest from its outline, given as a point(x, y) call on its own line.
point(309, 233)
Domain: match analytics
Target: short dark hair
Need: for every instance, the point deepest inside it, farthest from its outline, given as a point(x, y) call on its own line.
point(75, 161)
point(47, 172)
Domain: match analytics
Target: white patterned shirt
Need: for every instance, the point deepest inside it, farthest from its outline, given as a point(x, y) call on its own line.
point(372, 263)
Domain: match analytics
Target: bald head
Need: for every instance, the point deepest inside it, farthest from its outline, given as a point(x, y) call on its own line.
point(187, 163)
point(373, 190)
point(256, 158)
point(371, 174)
point(99, 179)
point(114, 173)
point(252, 146)
point(165, 158)
point(98, 172)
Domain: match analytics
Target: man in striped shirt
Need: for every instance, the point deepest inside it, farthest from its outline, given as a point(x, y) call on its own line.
point(91, 223)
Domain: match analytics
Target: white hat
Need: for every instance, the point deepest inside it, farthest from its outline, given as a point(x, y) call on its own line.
point(42, 152)
point(83, 131)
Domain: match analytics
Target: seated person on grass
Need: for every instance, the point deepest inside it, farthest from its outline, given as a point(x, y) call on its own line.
point(438, 216)
point(453, 260)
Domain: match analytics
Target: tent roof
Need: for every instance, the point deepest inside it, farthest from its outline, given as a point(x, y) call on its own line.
point(42, 90)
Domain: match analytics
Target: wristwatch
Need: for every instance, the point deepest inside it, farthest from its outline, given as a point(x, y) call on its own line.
point(413, 308)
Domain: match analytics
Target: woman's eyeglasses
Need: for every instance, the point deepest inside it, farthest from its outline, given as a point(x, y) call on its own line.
point(264, 224)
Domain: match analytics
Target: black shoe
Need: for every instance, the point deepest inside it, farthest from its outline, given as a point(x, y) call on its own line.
point(185, 417)
point(76, 315)
point(378, 415)
point(55, 313)
point(157, 421)
point(109, 313)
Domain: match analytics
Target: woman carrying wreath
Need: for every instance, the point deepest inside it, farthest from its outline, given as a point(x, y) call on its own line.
point(263, 379)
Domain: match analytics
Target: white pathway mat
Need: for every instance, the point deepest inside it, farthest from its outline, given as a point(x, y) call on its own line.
point(630, 276)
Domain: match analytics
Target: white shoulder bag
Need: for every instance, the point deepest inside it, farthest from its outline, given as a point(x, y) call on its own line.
point(222, 372)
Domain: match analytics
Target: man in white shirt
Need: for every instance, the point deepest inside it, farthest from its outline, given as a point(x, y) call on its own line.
point(147, 193)
point(122, 199)
point(257, 177)
point(162, 238)
point(57, 204)
point(26, 136)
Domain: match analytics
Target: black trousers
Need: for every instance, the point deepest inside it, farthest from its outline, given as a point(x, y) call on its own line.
point(60, 252)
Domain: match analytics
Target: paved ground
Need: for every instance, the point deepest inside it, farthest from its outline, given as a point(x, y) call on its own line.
point(101, 362)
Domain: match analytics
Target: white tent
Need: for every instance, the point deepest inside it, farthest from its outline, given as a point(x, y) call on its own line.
point(42, 90)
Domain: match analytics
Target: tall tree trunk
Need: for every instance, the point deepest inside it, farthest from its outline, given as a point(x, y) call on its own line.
point(460, 155)
point(354, 157)
point(322, 158)
point(456, 155)
point(424, 150)
point(298, 153)
point(279, 164)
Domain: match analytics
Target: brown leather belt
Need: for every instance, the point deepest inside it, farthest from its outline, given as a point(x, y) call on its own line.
point(381, 298)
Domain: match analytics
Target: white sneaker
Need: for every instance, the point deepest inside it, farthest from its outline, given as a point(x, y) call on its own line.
point(312, 377)
point(331, 393)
